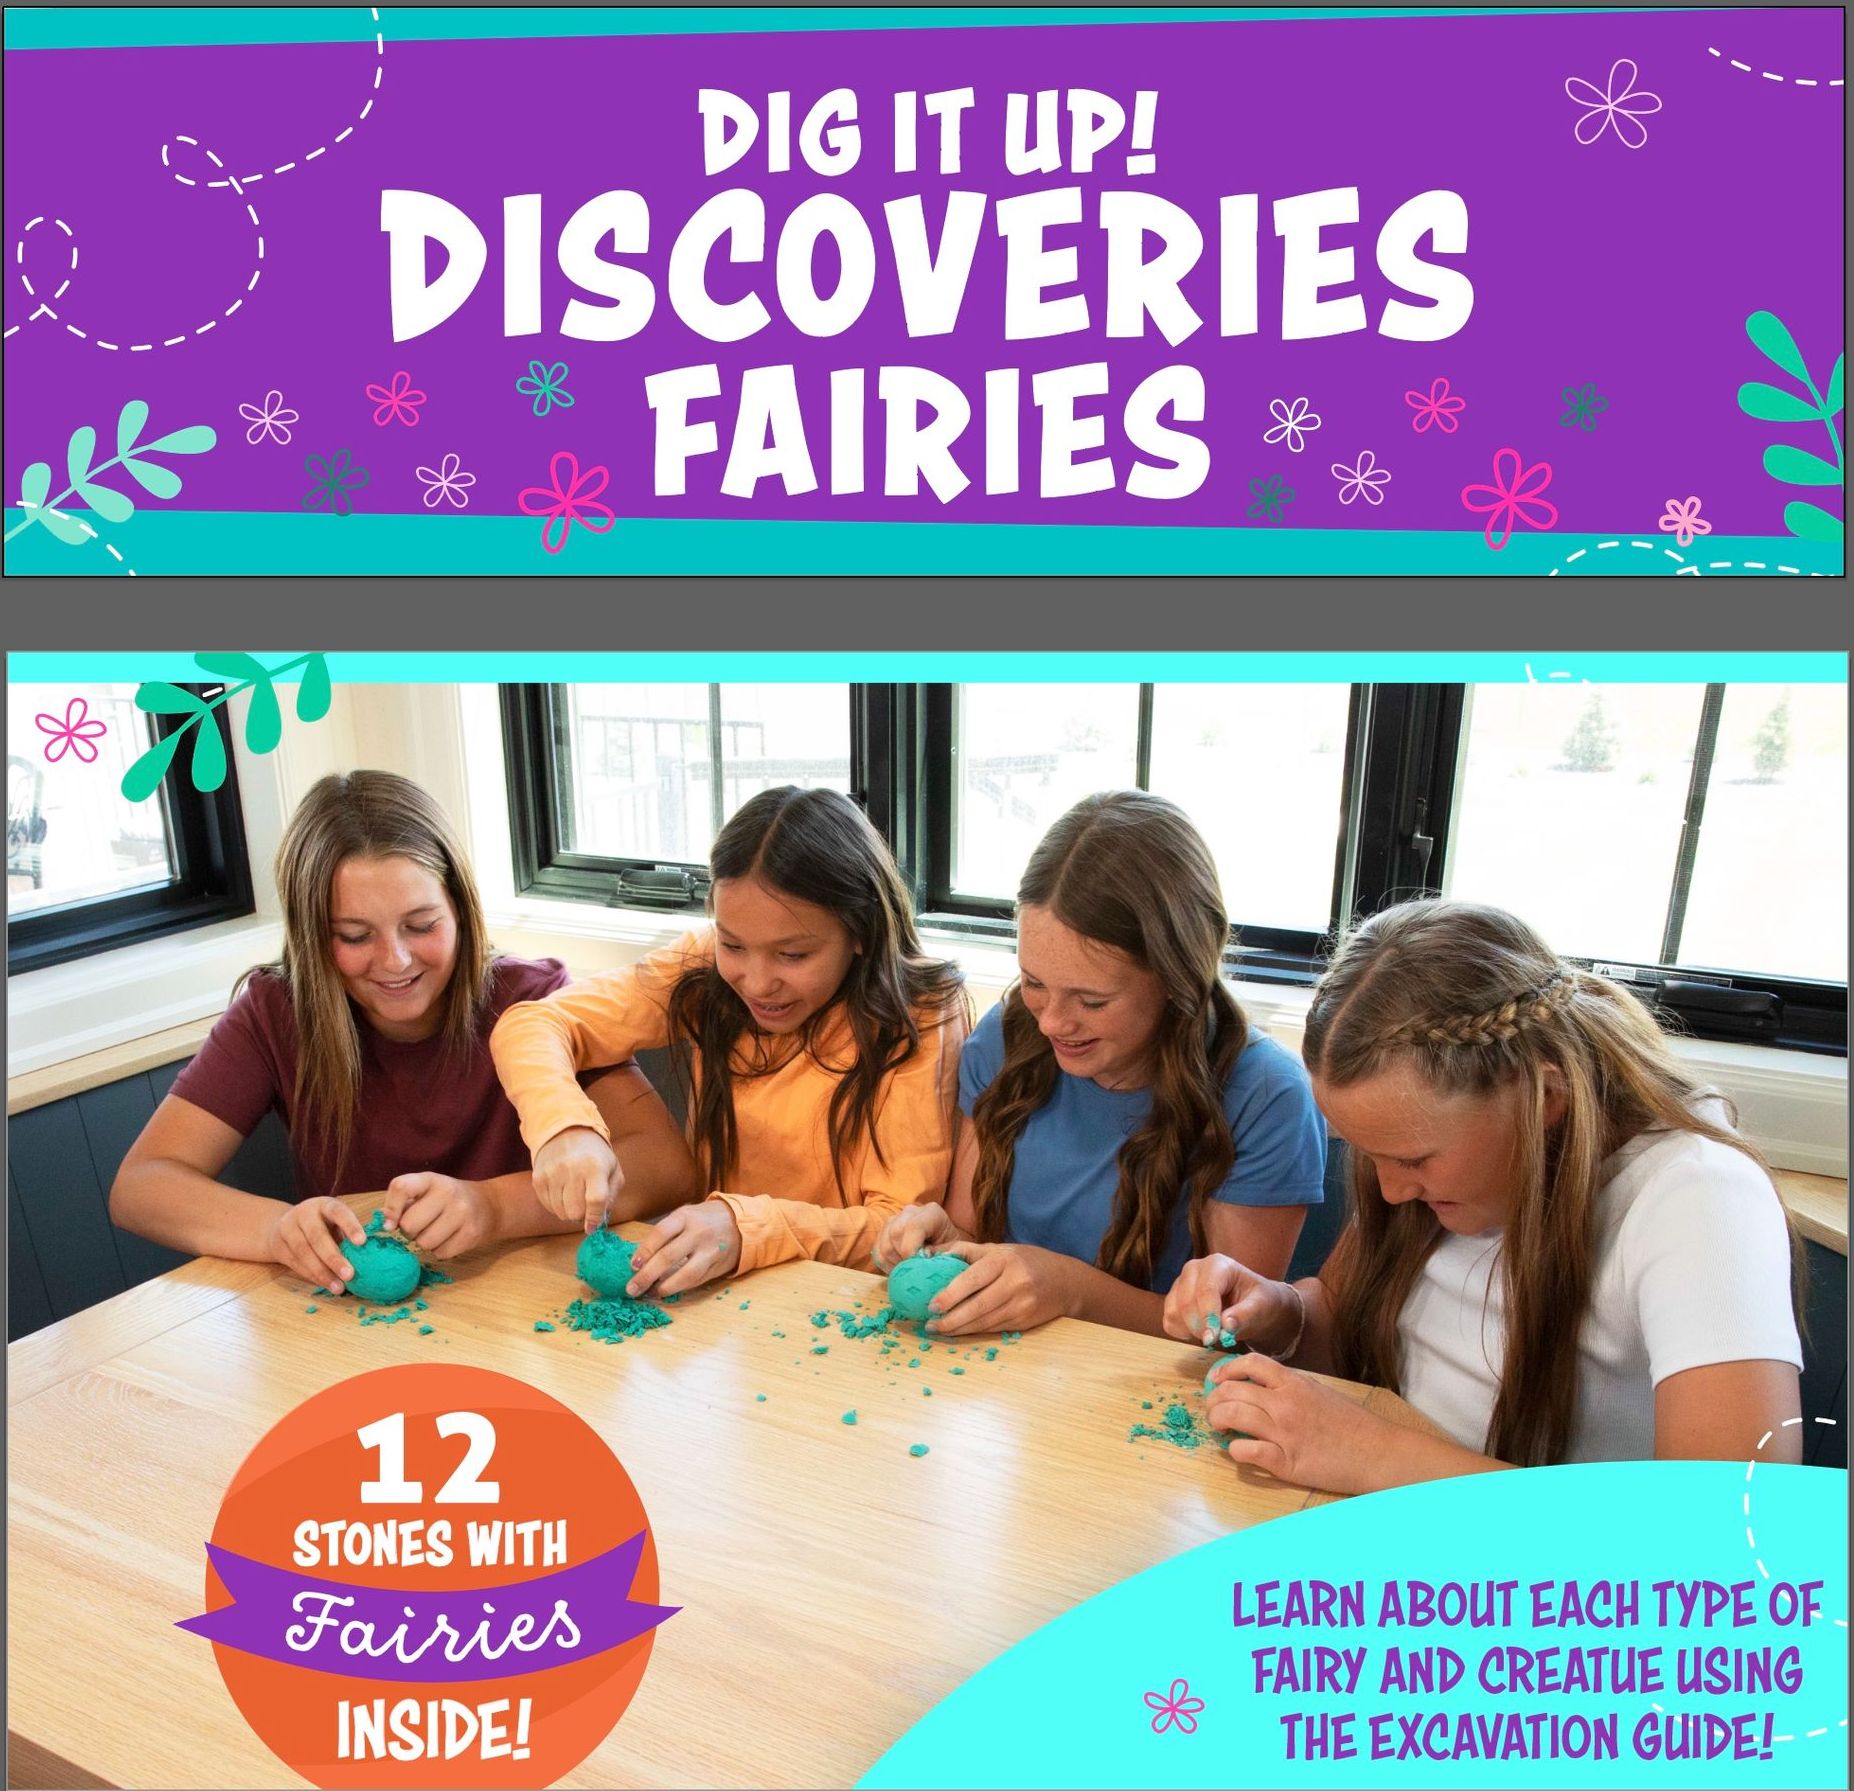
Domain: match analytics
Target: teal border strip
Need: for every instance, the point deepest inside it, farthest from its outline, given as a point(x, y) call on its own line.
point(136, 27)
point(545, 667)
point(201, 544)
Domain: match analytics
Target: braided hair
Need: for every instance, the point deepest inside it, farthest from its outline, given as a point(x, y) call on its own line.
point(1474, 1001)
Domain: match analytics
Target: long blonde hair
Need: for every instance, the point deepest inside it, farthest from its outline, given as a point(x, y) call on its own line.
point(363, 814)
point(1474, 1000)
point(1128, 870)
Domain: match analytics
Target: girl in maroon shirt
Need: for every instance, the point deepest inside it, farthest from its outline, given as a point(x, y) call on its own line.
point(369, 1037)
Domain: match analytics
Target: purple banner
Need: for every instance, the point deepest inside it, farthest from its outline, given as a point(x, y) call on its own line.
point(1468, 273)
point(432, 1638)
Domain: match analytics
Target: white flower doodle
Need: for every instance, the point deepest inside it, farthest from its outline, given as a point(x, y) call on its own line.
point(1619, 106)
point(1292, 422)
point(449, 482)
point(272, 423)
point(1366, 480)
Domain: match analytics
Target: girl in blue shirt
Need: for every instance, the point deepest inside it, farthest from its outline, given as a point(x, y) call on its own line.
point(1118, 1115)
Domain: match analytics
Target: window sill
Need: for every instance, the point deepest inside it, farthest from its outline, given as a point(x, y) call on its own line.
point(1793, 1103)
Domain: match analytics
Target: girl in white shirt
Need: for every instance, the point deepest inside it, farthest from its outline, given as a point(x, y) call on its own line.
point(1559, 1248)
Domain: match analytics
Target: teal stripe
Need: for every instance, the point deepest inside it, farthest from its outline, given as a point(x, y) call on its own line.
point(965, 666)
point(198, 543)
point(142, 27)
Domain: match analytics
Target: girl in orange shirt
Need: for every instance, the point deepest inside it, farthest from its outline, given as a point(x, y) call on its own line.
point(820, 1045)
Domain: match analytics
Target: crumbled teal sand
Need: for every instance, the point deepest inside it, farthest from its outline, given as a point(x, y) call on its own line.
point(541, 1324)
point(309, 1309)
point(849, 1417)
point(613, 1321)
point(759, 1399)
point(917, 1449)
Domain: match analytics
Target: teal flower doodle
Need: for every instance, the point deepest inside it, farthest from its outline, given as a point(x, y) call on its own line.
point(547, 386)
point(1583, 405)
point(1271, 497)
point(336, 478)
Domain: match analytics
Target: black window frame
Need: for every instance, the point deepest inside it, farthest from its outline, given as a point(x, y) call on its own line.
point(1402, 757)
point(211, 881)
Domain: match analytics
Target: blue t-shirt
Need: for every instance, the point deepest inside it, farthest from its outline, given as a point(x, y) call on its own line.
point(1066, 1167)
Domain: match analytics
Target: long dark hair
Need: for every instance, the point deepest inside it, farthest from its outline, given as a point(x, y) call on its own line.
point(813, 846)
point(1474, 1000)
point(1128, 870)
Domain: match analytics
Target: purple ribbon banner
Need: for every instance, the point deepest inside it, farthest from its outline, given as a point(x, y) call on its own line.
point(484, 1632)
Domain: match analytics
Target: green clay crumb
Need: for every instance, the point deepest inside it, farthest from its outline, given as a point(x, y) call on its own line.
point(309, 1308)
point(612, 1321)
point(1145, 1405)
point(744, 1304)
point(991, 1355)
point(927, 1392)
point(822, 1349)
point(421, 1306)
point(873, 1326)
point(426, 1330)
point(913, 1361)
point(849, 1417)
point(759, 1399)
point(821, 1320)
point(541, 1324)
point(917, 1450)
point(778, 1333)
point(1180, 1429)
point(672, 1299)
point(958, 1371)
point(1226, 1339)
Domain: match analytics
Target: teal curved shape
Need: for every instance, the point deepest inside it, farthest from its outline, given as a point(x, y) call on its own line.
point(1068, 1706)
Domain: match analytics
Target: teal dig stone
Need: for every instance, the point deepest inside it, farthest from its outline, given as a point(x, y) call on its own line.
point(913, 1282)
point(604, 1263)
point(385, 1271)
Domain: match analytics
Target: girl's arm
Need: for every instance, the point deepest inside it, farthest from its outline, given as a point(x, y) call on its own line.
point(1729, 1411)
point(166, 1189)
point(914, 1114)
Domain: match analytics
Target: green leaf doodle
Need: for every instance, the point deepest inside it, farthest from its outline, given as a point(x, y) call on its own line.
point(82, 467)
point(1772, 404)
point(263, 720)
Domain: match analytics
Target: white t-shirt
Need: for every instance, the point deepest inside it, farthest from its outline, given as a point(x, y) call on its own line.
point(1692, 1267)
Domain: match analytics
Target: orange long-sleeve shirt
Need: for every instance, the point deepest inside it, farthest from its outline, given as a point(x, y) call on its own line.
point(782, 1118)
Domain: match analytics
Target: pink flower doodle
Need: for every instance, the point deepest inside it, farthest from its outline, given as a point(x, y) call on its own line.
point(1512, 498)
point(397, 403)
point(1619, 106)
point(1437, 408)
point(1177, 1706)
point(74, 734)
point(1683, 521)
point(567, 501)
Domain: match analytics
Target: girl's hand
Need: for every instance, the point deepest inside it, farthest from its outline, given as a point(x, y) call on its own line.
point(1214, 1294)
point(1009, 1287)
point(306, 1238)
point(443, 1216)
point(576, 1176)
point(1298, 1428)
point(924, 1226)
point(685, 1248)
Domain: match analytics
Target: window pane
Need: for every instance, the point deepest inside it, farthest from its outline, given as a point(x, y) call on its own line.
point(1022, 754)
point(1770, 879)
point(1569, 809)
point(639, 760)
point(1260, 768)
point(70, 835)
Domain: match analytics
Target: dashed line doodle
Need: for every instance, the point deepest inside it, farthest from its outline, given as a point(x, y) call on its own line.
point(1645, 546)
point(302, 161)
point(1770, 74)
point(1745, 566)
point(226, 178)
point(84, 524)
point(1751, 1543)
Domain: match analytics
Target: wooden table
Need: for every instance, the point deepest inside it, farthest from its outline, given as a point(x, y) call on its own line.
point(794, 1543)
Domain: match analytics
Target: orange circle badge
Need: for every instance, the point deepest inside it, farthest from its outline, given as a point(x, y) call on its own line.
point(431, 1577)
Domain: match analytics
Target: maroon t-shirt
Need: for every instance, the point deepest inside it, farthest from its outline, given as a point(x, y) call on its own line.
point(419, 1108)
